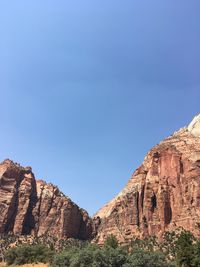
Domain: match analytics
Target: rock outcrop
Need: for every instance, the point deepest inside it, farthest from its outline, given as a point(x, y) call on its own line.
point(33, 207)
point(163, 193)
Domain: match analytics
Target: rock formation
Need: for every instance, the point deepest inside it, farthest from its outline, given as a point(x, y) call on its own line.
point(33, 207)
point(163, 193)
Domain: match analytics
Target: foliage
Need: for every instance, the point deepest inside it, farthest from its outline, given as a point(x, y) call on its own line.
point(111, 241)
point(149, 244)
point(28, 254)
point(9, 240)
point(91, 256)
point(196, 254)
point(185, 249)
point(178, 247)
point(142, 258)
point(168, 246)
point(113, 257)
point(64, 258)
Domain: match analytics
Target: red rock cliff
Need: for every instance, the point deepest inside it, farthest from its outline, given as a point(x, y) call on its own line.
point(28, 206)
point(163, 193)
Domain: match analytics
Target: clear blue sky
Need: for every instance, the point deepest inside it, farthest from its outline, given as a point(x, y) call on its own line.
point(88, 87)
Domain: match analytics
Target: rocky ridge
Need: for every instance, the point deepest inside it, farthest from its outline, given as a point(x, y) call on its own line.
point(163, 193)
point(30, 207)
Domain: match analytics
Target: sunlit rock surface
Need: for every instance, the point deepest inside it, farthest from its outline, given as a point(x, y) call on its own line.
point(34, 207)
point(163, 193)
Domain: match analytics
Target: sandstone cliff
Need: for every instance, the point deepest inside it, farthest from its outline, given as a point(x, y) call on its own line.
point(33, 207)
point(163, 193)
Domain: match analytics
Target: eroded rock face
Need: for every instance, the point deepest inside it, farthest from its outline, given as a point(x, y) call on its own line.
point(163, 193)
point(28, 206)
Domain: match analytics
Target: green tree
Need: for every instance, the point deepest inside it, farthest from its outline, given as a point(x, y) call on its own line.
point(84, 257)
point(115, 257)
point(64, 258)
point(196, 255)
point(91, 256)
point(143, 258)
point(185, 249)
point(28, 254)
point(149, 243)
point(111, 241)
point(169, 244)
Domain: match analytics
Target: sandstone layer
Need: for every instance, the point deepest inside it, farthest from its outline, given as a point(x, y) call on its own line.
point(163, 193)
point(34, 207)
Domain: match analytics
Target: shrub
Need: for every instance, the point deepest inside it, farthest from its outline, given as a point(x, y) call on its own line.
point(185, 249)
point(169, 244)
point(143, 258)
point(111, 241)
point(65, 257)
point(74, 256)
point(196, 256)
point(91, 256)
point(149, 243)
point(28, 254)
point(115, 257)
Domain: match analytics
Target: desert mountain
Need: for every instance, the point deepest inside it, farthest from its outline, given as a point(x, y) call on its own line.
point(28, 206)
point(163, 193)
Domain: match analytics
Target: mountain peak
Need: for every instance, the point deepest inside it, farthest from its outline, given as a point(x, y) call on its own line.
point(163, 193)
point(194, 126)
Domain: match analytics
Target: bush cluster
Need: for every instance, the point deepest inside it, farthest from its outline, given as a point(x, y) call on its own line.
point(93, 256)
point(28, 254)
point(177, 250)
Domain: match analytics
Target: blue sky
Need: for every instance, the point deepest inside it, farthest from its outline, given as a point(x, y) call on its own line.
point(88, 87)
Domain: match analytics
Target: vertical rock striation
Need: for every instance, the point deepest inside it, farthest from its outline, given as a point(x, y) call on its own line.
point(163, 193)
point(34, 207)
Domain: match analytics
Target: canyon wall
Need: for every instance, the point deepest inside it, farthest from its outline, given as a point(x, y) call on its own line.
point(30, 207)
point(162, 195)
